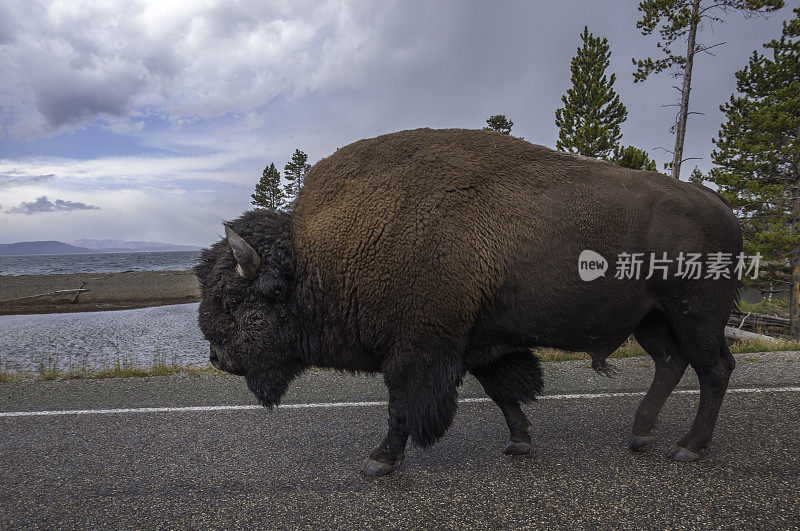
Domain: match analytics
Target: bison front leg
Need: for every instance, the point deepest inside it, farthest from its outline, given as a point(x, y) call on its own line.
point(519, 428)
point(425, 384)
point(391, 451)
point(514, 378)
point(422, 404)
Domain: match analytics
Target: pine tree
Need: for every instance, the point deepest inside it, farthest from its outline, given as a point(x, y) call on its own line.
point(499, 123)
point(633, 157)
point(295, 172)
point(697, 176)
point(268, 192)
point(677, 20)
point(757, 155)
point(589, 122)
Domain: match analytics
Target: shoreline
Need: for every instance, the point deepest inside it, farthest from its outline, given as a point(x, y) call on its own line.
point(89, 292)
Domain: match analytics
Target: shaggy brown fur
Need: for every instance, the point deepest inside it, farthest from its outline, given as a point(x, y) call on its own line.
point(420, 232)
point(424, 254)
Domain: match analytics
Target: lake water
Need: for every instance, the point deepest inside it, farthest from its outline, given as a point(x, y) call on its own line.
point(98, 263)
point(93, 340)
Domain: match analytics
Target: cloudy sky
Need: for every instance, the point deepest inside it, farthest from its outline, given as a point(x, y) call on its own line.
point(152, 120)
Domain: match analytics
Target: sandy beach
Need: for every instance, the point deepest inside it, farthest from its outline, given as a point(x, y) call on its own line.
point(104, 291)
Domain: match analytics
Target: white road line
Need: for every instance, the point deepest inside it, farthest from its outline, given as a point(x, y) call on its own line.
point(323, 405)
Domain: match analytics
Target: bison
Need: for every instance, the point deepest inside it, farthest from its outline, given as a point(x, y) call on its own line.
point(426, 254)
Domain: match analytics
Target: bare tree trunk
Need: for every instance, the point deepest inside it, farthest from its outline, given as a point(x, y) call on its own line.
point(794, 301)
point(683, 114)
point(794, 298)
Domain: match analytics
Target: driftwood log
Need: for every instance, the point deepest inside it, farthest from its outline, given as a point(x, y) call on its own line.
point(735, 333)
point(76, 291)
point(750, 320)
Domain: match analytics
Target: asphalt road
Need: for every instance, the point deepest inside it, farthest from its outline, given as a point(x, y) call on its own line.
point(298, 466)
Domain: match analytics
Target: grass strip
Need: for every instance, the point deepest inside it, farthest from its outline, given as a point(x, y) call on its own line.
point(127, 369)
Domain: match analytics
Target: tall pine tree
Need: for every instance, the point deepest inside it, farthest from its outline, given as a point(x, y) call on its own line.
point(589, 122)
point(295, 172)
point(268, 192)
point(757, 155)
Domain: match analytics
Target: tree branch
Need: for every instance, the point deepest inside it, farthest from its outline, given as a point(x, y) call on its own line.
point(705, 49)
point(712, 6)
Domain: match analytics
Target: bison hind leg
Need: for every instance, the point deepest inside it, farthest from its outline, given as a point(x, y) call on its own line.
point(656, 337)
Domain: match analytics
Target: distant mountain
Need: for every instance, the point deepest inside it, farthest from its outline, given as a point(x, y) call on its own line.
point(50, 247)
point(128, 246)
point(88, 246)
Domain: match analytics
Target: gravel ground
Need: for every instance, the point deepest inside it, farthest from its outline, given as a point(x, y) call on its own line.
point(97, 339)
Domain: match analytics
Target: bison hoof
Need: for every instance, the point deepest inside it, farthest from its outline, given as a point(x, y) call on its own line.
point(678, 453)
point(638, 442)
point(372, 467)
point(517, 448)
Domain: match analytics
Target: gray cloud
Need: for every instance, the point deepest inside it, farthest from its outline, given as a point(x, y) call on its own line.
point(42, 204)
point(77, 99)
point(67, 64)
point(12, 178)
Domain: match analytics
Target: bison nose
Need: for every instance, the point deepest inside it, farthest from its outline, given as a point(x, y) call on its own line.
point(214, 359)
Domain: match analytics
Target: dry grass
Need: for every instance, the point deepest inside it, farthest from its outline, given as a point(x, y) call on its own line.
point(629, 350)
point(632, 349)
point(760, 345)
point(118, 369)
point(776, 306)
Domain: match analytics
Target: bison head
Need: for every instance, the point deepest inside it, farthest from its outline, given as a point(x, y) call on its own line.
point(245, 313)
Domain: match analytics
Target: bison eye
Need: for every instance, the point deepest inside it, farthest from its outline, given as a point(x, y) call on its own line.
point(230, 305)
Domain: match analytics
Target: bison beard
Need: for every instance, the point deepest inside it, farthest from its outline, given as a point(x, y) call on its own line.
point(424, 255)
point(269, 386)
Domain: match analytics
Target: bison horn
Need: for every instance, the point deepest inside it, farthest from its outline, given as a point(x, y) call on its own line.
point(247, 257)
